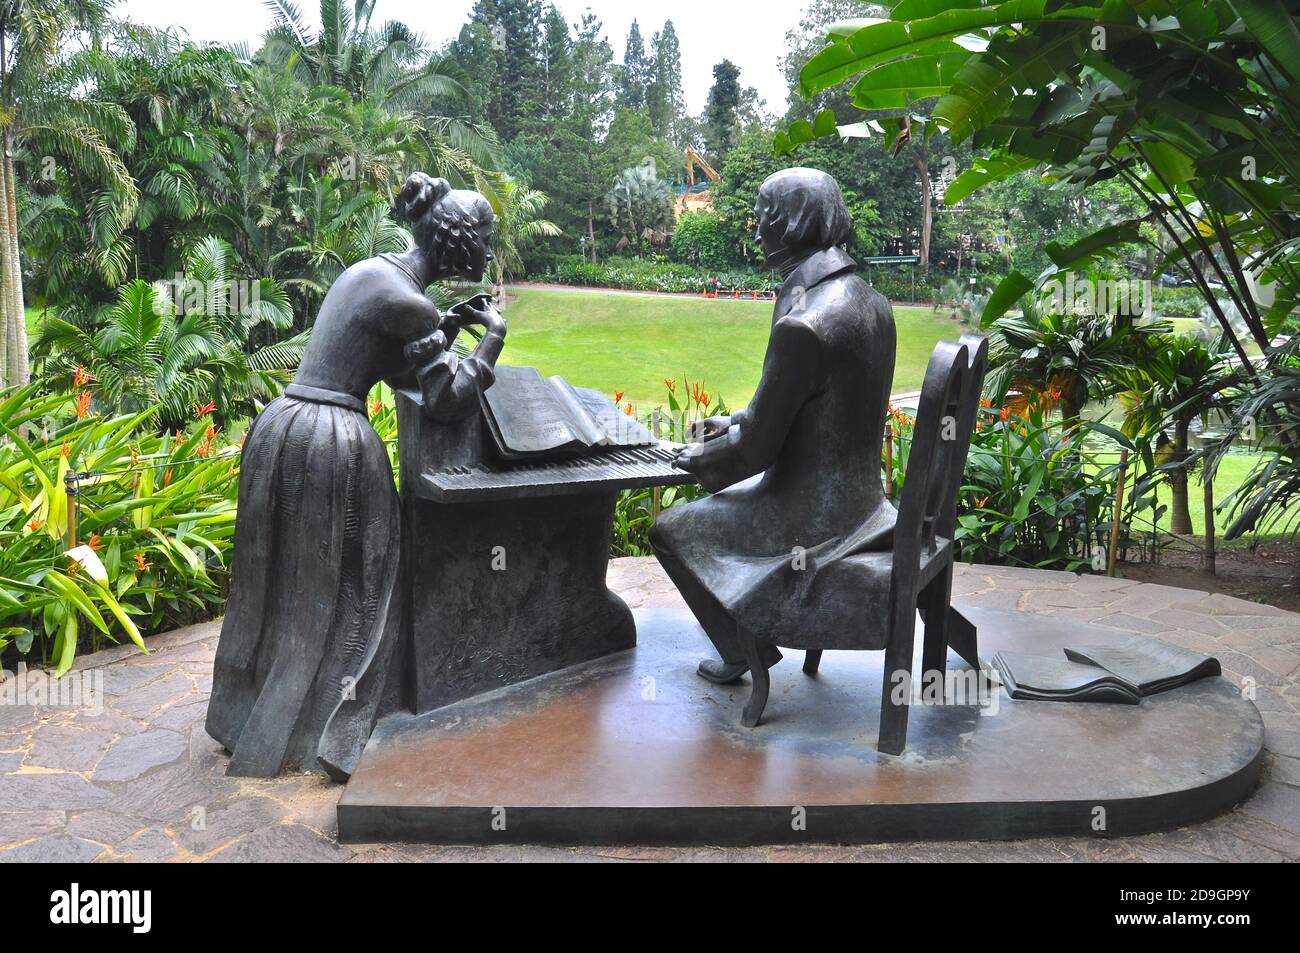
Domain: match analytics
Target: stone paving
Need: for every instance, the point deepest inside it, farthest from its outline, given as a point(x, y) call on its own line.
point(141, 781)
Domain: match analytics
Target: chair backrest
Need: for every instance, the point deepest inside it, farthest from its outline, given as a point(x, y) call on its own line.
point(977, 356)
point(936, 457)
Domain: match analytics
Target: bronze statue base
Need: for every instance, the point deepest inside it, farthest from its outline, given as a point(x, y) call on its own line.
point(635, 748)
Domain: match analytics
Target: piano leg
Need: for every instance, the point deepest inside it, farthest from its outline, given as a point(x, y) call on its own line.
point(505, 591)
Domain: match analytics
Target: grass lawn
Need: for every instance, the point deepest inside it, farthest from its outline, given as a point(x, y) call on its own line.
point(33, 315)
point(1234, 468)
point(626, 343)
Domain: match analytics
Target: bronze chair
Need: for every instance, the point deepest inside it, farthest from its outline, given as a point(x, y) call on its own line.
point(869, 599)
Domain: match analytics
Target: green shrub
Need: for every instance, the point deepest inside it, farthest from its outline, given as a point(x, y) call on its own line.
point(635, 274)
point(155, 524)
point(1036, 493)
point(701, 240)
point(1177, 302)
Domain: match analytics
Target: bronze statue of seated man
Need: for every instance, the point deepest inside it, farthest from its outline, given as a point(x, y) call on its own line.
point(801, 465)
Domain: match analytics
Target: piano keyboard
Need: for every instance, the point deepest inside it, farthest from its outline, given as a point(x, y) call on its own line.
point(601, 470)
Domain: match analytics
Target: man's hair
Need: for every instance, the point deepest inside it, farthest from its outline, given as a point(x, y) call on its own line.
point(444, 220)
point(806, 207)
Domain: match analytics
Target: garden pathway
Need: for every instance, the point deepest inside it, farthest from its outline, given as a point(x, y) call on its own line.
point(140, 780)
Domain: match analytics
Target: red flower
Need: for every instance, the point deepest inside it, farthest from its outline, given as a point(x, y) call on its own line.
point(81, 379)
point(376, 407)
point(618, 397)
point(206, 409)
point(35, 524)
point(167, 477)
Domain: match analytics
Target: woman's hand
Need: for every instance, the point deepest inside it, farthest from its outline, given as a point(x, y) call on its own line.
point(488, 316)
point(709, 427)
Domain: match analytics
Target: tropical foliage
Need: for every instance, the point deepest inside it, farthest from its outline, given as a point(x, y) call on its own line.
point(179, 345)
point(153, 527)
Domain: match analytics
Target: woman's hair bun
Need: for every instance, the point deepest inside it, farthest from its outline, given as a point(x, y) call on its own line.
point(420, 193)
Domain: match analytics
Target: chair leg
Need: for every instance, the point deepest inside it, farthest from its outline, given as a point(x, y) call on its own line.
point(933, 603)
point(896, 693)
point(811, 659)
point(762, 681)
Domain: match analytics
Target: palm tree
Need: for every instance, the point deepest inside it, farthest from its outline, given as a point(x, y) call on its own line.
point(517, 227)
point(1178, 381)
point(43, 105)
point(641, 207)
point(331, 230)
point(178, 346)
point(398, 85)
point(1062, 357)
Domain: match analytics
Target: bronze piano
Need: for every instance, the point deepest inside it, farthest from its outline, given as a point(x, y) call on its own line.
point(531, 596)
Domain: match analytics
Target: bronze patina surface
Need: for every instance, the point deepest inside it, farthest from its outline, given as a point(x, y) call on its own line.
point(634, 748)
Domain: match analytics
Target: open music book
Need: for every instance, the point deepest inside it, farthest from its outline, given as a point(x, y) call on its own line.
point(1043, 678)
point(1125, 669)
point(1150, 665)
point(532, 417)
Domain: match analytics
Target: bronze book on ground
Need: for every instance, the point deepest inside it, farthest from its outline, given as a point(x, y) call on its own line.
point(1151, 665)
point(1044, 678)
point(535, 418)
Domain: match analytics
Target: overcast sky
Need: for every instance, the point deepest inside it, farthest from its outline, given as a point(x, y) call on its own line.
point(751, 34)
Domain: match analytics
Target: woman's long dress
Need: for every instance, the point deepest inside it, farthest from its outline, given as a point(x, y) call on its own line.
point(312, 618)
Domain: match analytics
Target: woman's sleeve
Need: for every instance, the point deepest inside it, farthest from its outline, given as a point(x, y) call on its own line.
point(791, 375)
point(451, 385)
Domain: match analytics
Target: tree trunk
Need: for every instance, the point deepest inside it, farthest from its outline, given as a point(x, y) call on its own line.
point(591, 228)
point(927, 208)
point(1207, 486)
point(16, 369)
point(6, 297)
point(1180, 517)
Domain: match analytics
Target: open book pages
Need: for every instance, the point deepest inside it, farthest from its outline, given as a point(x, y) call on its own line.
point(534, 417)
point(1044, 678)
point(1151, 665)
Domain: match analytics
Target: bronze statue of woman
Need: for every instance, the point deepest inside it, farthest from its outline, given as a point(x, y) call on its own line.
point(313, 614)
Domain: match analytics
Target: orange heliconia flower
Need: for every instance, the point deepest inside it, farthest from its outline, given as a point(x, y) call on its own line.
point(141, 563)
point(35, 524)
point(83, 404)
point(94, 542)
point(979, 504)
point(376, 407)
point(167, 477)
point(66, 450)
point(135, 457)
point(204, 410)
point(618, 397)
point(1006, 414)
point(628, 410)
point(671, 384)
point(81, 379)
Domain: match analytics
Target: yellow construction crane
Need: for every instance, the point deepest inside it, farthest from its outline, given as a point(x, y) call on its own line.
point(691, 201)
